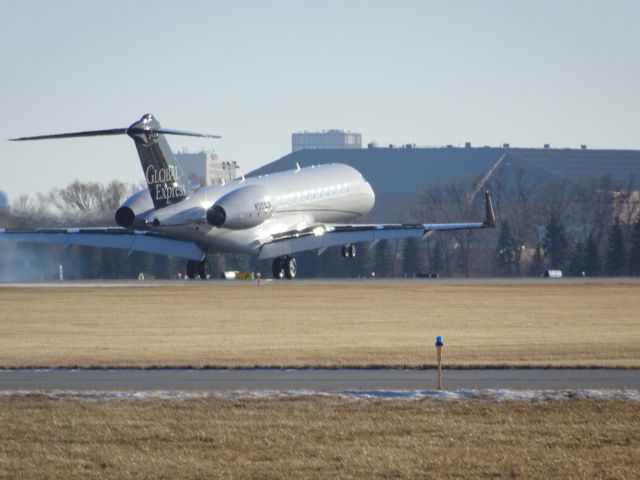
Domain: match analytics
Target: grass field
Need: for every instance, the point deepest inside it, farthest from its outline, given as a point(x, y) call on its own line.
point(318, 438)
point(322, 324)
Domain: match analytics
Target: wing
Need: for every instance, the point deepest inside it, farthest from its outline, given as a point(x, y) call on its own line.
point(131, 240)
point(324, 236)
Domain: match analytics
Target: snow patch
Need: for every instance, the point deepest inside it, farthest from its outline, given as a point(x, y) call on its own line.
point(496, 395)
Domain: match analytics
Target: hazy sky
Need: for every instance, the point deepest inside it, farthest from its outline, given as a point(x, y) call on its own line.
point(425, 72)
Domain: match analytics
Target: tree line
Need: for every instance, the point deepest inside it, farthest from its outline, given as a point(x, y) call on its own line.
point(587, 228)
point(584, 228)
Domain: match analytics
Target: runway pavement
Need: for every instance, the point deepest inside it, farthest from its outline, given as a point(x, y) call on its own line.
point(315, 379)
point(266, 281)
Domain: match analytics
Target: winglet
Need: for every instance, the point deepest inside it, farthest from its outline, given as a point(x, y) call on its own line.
point(490, 216)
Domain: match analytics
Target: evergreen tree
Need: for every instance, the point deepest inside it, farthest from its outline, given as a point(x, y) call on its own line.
point(411, 257)
point(616, 254)
point(592, 265)
point(505, 255)
point(536, 268)
point(634, 249)
point(555, 243)
point(576, 265)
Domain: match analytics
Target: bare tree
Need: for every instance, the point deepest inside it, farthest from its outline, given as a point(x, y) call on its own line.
point(450, 203)
point(89, 201)
point(626, 206)
point(593, 204)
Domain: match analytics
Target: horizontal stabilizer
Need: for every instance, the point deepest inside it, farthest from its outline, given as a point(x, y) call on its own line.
point(185, 133)
point(90, 133)
point(165, 177)
point(115, 131)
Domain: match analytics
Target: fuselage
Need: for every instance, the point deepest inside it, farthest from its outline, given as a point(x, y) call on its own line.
point(257, 209)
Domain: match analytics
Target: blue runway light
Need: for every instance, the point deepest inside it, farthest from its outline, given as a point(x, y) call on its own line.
point(439, 342)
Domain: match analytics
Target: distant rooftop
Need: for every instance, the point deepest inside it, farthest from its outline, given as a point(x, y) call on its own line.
point(325, 140)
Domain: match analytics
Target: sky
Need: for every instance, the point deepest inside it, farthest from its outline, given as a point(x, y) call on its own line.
point(408, 71)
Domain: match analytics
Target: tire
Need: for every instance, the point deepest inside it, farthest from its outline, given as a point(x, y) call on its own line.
point(290, 267)
point(192, 269)
point(277, 268)
point(204, 270)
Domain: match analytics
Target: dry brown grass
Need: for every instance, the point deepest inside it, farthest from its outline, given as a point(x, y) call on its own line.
point(308, 324)
point(318, 438)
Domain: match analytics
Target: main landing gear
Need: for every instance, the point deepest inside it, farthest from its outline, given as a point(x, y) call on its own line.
point(287, 267)
point(284, 267)
point(198, 269)
point(348, 251)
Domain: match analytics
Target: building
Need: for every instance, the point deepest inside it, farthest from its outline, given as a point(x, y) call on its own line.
point(206, 168)
point(398, 174)
point(325, 140)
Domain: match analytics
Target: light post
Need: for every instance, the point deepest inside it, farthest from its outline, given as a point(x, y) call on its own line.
point(439, 345)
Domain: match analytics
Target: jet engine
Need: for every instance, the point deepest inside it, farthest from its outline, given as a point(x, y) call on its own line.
point(133, 210)
point(245, 207)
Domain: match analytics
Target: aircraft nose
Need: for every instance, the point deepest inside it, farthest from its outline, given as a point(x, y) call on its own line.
point(371, 193)
point(370, 197)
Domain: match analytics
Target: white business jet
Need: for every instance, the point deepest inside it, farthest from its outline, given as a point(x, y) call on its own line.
point(273, 216)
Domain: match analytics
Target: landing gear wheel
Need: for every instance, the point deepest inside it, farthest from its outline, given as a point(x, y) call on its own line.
point(348, 251)
point(277, 268)
point(290, 267)
point(192, 269)
point(204, 270)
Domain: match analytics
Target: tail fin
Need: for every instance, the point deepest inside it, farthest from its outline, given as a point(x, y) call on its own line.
point(165, 178)
point(166, 181)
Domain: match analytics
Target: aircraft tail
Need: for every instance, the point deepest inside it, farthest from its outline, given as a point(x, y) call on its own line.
point(165, 178)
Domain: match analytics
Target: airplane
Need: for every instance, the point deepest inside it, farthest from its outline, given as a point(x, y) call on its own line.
point(274, 216)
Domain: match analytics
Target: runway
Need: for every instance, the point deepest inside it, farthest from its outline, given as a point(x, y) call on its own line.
point(314, 379)
point(266, 281)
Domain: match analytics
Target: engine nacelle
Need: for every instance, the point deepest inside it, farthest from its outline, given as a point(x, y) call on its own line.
point(245, 207)
point(134, 209)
